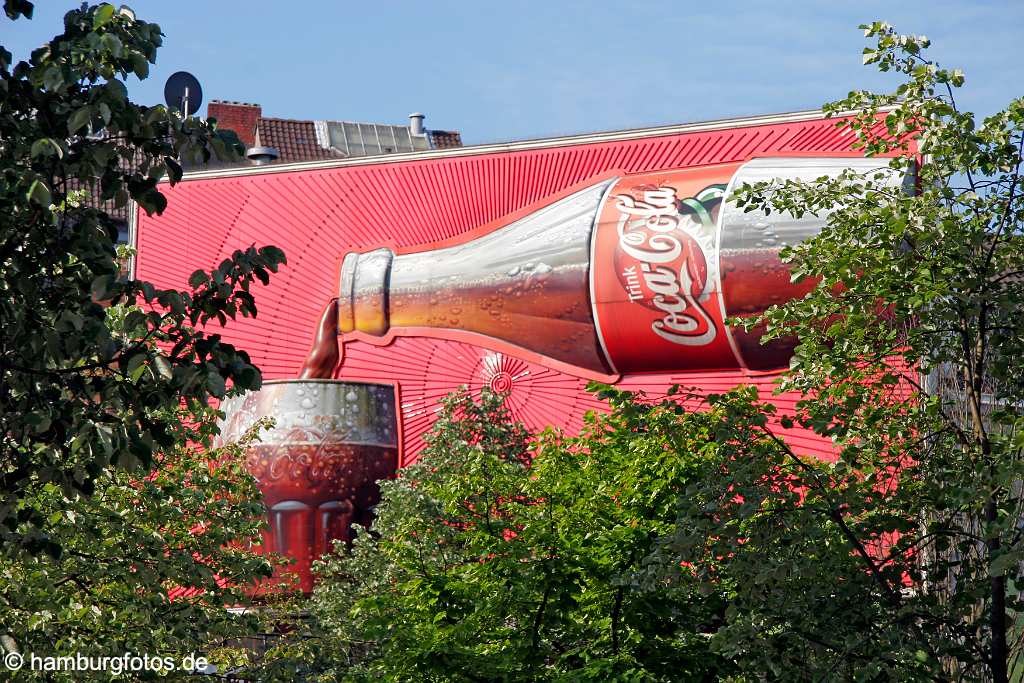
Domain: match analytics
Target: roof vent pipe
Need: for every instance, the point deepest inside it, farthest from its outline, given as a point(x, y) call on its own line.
point(416, 124)
point(261, 155)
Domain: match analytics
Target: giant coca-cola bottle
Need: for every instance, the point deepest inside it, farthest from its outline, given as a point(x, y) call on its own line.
point(631, 274)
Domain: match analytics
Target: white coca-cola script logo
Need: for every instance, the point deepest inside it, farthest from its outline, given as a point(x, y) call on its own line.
point(663, 263)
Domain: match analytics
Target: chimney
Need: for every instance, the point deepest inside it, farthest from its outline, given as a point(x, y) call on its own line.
point(241, 117)
point(416, 124)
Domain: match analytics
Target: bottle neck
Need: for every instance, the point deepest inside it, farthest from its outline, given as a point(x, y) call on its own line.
point(363, 292)
point(526, 283)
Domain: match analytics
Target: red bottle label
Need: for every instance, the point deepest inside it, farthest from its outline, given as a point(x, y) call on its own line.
point(654, 277)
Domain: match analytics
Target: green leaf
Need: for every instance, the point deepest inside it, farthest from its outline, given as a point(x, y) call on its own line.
point(53, 79)
point(198, 278)
point(79, 119)
point(39, 193)
point(104, 13)
point(46, 147)
point(1003, 563)
point(140, 66)
point(112, 43)
point(17, 8)
point(215, 383)
point(163, 367)
point(101, 287)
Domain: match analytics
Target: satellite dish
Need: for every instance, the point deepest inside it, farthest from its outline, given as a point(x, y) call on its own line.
point(183, 92)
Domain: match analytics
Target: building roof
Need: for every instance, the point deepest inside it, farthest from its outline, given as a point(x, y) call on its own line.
point(367, 139)
point(293, 140)
point(444, 139)
point(308, 140)
point(810, 118)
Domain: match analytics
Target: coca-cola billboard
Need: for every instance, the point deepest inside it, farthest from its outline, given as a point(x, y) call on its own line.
point(528, 268)
point(633, 273)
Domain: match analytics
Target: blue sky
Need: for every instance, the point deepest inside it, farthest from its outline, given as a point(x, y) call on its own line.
point(514, 70)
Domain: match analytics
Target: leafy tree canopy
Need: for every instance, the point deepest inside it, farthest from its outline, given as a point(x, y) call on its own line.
point(689, 533)
point(902, 558)
point(76, 397)
point(111, 499)
point(495, 557)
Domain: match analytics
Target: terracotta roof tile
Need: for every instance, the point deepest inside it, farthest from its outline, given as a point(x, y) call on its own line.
point(444, 139)
point(293, 140)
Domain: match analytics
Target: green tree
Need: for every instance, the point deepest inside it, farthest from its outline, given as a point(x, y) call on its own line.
point(496, 557)
point(110, 497)
point(899, 559)
point(148, 565)
point(75, 399)
point(902, 558)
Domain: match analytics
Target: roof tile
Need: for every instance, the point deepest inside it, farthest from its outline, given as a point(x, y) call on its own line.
point(293, 140)
point(444, 139)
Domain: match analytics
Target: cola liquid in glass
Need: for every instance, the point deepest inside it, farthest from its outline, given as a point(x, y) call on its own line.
point(318, 467)
point(632, 274)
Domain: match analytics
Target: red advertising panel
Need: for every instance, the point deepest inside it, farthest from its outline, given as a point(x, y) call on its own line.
point(530, 268)
point(579, 328)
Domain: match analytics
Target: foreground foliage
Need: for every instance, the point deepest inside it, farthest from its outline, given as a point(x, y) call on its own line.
point(76, 399)
point(899, 559)
point(485, 564)
point(190, 524)
point(110, 501)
